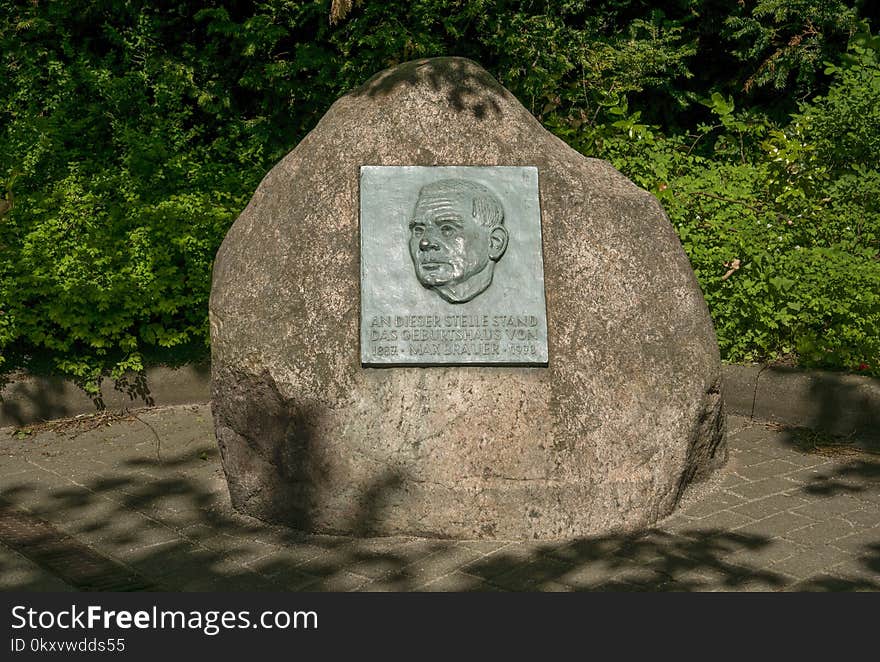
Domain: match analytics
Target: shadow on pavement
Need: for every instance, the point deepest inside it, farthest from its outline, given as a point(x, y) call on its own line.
point(177, 532)
point(840, 397)
point(158, 517)
point(855, 469)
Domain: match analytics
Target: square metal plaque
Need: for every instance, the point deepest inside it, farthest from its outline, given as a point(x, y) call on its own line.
point(452, 271)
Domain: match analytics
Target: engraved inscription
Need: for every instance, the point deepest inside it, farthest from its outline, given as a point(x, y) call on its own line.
point(457, 235)
point(454, 336)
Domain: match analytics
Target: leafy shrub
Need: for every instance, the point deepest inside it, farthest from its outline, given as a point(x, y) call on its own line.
point(132, 133)
point(781, 223)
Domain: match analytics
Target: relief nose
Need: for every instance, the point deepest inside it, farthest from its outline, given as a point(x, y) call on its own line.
point(426, 244)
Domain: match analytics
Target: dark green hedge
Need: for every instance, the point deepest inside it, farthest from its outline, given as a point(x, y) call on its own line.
point(132, 133)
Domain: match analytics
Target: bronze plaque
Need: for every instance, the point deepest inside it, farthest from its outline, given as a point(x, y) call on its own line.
point(452, 271)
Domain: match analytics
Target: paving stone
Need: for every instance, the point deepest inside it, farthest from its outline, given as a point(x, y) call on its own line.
point(765, 487)
point(732, 479)
point(171, 519)
point(555, 587)
point(743, 461)
point(869, 496)
point(748, 436)
point(593, 573)
point(532, 576)
point(123, 538)
point(677, 522)
point(721, 521)
point(759, 584)
point(369, 547)
point(12, 466)
point(643, 576)
point(384, 557)
point(168, 563)
point(688, 581)
point(282, 559)
point(868, 518)
point(77, 468)
point(615, 586)
point(179, 520)
point(245, 583)
point(708, 562)
point(485, 546)
point(340, 581)
point(806, 460)
point(862, 573)
point(92, 516)
point(761, 556)
point(238, 548)
point(195, 584)
point(811, 475)
point(829, 582)
point(768, 469)
point(776, 525)
point(822, 533)
point(504, 560)
point(379, 566)
point(652, 546)
point(323, 565)
point(712, 503)
point(811, 561)
point(830, 506)
point(441, 563)
point(766, 506)
point(18, 573)
point(291, 579)
point(866, 541)
point(457, 582)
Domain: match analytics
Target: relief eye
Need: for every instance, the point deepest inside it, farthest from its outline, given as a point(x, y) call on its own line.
point(447, 230)
point(417, 229)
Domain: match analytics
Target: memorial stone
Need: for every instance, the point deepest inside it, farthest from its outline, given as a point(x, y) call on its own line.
point(435, 318)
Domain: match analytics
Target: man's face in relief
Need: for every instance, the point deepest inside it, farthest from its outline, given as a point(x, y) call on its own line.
point(456, 233)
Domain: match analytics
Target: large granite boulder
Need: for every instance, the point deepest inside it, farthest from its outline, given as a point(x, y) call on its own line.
point(606, 437)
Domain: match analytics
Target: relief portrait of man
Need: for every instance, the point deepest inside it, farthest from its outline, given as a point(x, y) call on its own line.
point(457, 235)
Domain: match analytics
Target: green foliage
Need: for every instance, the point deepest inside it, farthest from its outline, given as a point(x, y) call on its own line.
point(132, 133)
point(790, 39)
point(781, 223)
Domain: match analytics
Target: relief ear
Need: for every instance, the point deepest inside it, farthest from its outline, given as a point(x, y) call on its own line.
point(497, 242)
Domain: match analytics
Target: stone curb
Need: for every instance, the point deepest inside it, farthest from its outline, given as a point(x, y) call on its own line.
point(30, 399)
point(835, 403)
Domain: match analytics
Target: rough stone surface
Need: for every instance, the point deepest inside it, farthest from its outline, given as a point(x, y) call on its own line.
point(605, 438)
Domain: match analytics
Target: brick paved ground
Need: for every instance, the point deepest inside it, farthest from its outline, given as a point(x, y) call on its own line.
point(140, 503)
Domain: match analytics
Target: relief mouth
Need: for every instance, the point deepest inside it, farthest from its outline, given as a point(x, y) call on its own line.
point(433, 266)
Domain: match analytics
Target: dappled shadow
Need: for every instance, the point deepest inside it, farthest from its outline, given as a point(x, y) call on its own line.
point(372, 503)
point(469, 88)
point(865, 578)
point(166, 517)
point(848, 478)
point(654, 560)
point(30, 399)
point(855, 468)
point(67, 559)
point(846, 397)
point(835, 403)
point(135, 388)
point(179, 533)
point(278, 471)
